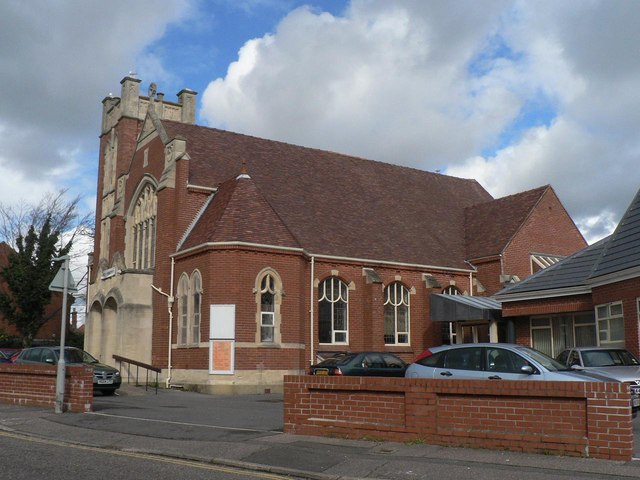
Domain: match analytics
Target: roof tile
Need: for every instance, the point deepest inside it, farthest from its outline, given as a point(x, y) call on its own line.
point(338, 205)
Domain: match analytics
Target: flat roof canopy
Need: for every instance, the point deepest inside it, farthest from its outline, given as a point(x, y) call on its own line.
point(461, 308)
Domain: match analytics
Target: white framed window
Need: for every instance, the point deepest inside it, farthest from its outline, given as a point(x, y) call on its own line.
point(267, 309)
point(610, 320)
point(554, 333)
point(451, 290)
point(540, 261)
point(333, 311)
point(268, 297)
point(396, 314)
point(450, 329)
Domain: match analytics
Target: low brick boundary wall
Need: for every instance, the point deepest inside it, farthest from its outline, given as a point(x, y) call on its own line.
point(35, 385)
point(567, 418)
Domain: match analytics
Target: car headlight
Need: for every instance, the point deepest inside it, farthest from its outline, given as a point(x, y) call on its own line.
point(117, 374)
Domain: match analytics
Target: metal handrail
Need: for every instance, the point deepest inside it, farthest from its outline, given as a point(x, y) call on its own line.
point(138, 365)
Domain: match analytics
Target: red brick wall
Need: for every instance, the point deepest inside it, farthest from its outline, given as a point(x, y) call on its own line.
point(568, 418)
point(489, 272)
point(549, 229)
point(35, 385)
point(229, 274)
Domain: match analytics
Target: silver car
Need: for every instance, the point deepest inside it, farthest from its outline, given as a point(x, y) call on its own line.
point(616, 363)
point(494, 361)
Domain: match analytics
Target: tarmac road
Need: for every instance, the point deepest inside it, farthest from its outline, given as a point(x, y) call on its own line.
point(246, 432)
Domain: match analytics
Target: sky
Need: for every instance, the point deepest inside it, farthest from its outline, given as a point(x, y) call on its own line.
point(516, 94)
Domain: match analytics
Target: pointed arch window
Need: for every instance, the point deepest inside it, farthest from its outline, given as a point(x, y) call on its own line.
point(183, 309)
point(267, 310)
point(189, 308)
point(396, 314)
point(268, 299)
point(333, 311)
point(143, 229)
point(196, 306)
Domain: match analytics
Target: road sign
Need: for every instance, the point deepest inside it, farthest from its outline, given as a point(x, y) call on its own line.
point(57, 285)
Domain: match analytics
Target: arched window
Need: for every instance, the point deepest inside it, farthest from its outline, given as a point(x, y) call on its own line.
point(189, 308)
point(333, 311)
point(183, 310)
point(143, 229)
point(451, 290)
point(196, 304)
point(396, 314)
point(267, 310)
point(268, 299)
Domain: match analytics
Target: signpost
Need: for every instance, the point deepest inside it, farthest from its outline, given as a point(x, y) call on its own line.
point(63, 282)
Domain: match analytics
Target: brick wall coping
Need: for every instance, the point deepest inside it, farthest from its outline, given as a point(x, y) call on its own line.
point(591, 419)
point(35, 385)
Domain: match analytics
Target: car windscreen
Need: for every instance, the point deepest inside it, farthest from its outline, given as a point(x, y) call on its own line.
point(608, 358)
point(544, 360)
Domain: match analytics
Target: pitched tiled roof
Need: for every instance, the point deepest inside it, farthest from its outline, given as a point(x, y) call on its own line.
point(572, 272)
point(239, 213)
point(622, 252)
point(338, 205)
point(492, 225)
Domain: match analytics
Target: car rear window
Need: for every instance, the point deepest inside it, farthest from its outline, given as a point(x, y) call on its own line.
point(337, 360)
point(434, 360)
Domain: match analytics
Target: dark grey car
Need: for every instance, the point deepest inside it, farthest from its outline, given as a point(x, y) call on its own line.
point(106, 379)
point(371, 364)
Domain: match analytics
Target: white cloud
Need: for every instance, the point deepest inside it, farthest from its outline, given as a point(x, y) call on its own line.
point(455, 86)
point(381, 82)
point(58, 60)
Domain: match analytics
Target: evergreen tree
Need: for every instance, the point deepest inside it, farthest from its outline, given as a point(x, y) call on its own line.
point(28, 274)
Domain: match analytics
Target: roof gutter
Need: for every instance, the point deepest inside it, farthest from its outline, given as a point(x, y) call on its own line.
point(541, 294)
point(320, 256)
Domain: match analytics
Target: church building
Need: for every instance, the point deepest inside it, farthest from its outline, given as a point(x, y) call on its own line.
point(229, 261)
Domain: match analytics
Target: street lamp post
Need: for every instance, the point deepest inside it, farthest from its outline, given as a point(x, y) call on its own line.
point(59, 403)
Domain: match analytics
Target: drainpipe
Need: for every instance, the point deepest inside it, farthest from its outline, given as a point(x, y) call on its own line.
point(471, 284)
point(311, 311)
point(170, 300)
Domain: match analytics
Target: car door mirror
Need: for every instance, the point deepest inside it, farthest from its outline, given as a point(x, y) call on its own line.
point(49, 361)
point(526, 369)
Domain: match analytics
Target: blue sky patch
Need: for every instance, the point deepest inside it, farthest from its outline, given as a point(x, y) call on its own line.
point(536, 112)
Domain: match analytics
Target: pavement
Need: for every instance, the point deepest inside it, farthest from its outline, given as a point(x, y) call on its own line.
point(246, 432)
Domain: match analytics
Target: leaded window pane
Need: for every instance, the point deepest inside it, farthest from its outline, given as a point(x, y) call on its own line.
point(266, 334)
point(143, 229)
point(340, 316)
point(396, 314)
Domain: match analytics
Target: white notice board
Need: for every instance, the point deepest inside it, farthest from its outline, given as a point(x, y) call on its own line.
point(222, 335)
point(223, 322)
